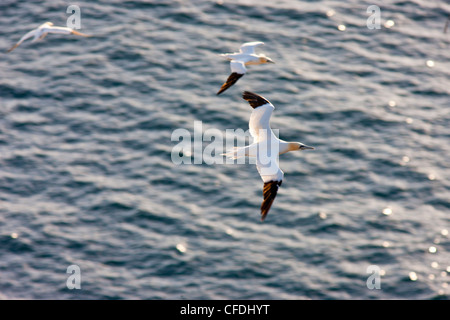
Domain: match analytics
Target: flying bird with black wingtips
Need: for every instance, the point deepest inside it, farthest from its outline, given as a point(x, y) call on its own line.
point(41, 32)
point(239, 60)
point(266, 147)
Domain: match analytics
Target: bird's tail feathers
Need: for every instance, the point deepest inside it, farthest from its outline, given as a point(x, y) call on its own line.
point(225, 56)
point(236, 153)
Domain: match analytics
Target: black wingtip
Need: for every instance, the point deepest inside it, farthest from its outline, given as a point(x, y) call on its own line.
point(254, 99)
point(232, 79)
point(270, 191)
point(247, 94)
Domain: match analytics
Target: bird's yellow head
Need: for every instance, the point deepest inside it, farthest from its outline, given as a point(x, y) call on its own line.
point(299, 146)
point(264, 59)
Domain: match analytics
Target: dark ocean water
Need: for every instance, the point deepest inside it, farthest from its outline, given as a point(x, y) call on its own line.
point(86, 176)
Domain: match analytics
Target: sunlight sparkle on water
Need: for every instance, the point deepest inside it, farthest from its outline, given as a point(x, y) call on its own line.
point(430, 63)
point(187, 153)
point(413, 276)
point(229, 231)
point(181, 247)
point(389, 24)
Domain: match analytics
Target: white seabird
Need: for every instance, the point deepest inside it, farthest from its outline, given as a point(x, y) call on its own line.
point(266, 147)
point(246, 56)
point(40, 32)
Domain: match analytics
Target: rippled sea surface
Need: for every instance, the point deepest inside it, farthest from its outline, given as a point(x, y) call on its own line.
point(86, 176)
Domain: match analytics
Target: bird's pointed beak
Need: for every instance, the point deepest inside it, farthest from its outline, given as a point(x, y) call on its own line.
point(270, 61)
point(305, 147)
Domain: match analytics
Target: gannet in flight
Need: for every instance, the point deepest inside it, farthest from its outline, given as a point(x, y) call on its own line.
point(40, 32)
point(246, 56)
point(266, 147)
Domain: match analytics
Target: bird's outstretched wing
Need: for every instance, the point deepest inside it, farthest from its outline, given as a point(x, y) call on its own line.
point(254, 99)
point(237, 71)
point(270, 191)
point(13, 47)
point(267, 151)
point(28, 35)
point(271, 174)
point(249, 47)
point(259, 123)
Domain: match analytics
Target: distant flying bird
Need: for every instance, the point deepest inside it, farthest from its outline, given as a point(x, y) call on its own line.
point(40, 32)
point(266, 147)
point(246, 56)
